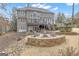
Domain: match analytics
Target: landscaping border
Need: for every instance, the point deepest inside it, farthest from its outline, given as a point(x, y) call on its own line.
point(45, 42)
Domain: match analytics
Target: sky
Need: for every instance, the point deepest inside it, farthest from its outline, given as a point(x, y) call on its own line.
point(65, 8)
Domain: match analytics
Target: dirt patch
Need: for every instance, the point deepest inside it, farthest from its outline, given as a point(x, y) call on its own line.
point(19, 48)
point(9, 39)
point(70, 47)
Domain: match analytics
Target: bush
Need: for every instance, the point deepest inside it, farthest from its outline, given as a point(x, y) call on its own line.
point(65, 29)
point(55, 26)
point(62, 30)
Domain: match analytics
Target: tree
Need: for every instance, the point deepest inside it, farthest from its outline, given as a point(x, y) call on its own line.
point(60, 17)
point(14, 22)
point(63, 17)
point(4, 9)
point(3, 6)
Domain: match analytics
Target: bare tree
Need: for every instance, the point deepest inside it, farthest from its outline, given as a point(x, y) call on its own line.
point(3, 6)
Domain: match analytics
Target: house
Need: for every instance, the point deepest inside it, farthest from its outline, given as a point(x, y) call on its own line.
point(30, 18)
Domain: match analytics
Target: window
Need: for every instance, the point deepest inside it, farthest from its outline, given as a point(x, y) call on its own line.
point(19, 12)
point(35, 20)
point(21, 20)
point(34, 14)
point(21, 27)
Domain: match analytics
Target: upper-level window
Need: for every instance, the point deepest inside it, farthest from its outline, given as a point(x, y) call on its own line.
point(20, 13)
point(34, 14)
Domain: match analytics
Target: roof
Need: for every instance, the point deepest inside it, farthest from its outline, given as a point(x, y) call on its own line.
point(34, 9)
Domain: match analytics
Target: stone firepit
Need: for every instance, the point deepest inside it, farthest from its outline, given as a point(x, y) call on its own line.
point(45, 39)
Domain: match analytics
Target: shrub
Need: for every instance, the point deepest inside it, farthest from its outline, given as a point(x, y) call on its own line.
point(65, 29)
point(55, 26)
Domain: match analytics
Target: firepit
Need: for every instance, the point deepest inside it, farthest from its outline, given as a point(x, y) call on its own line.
point(45, 39)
